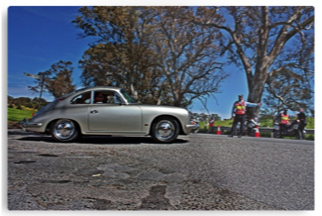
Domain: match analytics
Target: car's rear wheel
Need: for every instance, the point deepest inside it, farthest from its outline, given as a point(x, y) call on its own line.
point(64, 130)
point(165, 129)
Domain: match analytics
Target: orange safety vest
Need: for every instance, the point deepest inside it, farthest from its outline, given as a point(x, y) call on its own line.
point(240, 108)
point(284, 119)
point(211, 123)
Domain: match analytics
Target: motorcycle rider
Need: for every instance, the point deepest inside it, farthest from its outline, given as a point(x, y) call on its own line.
point(302, 118)
point(284, 117)
point(239, 109)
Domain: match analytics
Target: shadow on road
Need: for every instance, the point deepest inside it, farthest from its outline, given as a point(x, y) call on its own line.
point(108, 140)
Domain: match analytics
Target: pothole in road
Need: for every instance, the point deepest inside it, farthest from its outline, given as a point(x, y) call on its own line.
point(48, 155)
point(25, 162)
point(56, 181)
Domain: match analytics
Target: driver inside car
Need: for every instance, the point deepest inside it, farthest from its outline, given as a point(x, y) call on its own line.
point(99, 98)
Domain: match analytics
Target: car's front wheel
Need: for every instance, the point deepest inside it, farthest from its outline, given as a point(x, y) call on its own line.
point(165, 129)
point(64, 130)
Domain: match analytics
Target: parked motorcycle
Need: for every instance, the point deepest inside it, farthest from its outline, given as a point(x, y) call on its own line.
point(250, 126)
point(289, 130)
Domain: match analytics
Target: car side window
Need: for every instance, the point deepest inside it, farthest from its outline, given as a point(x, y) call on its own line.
point(84, 98)
point(117, 98)
point(107, 97)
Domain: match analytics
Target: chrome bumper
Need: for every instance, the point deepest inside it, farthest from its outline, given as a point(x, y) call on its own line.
point(192, 126)
point(27, 125)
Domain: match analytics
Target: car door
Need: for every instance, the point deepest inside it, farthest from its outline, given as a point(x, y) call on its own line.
point(105, 116)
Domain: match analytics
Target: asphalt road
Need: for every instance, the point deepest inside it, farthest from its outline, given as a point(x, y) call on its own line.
point(197, 172)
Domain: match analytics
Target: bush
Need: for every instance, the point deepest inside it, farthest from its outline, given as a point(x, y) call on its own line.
point(309, 137)
point(28, 109)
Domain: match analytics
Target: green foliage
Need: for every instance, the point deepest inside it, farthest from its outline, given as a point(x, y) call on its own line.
point(264, 122)
point(225, 123)
point(309, 137)
point(25, 102)
point(17, 115)
point(310, 123)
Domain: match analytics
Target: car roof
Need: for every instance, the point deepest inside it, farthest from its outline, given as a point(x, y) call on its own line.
point(98, 88)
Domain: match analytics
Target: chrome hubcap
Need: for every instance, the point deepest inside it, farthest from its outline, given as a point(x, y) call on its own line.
point(165, 130)
point(64, 129)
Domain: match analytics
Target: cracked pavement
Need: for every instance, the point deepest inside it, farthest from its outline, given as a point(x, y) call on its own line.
point(134, 173)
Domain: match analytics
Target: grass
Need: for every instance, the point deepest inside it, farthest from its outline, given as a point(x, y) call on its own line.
point(16, 115)
point(263, 123)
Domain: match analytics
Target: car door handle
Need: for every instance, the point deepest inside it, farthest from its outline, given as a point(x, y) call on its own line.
point(94, 111)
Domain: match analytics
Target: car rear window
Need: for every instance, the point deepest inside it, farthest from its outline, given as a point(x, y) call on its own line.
point(84, 98)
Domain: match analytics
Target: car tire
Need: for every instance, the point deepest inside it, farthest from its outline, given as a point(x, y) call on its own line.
point(64, 130)
point(165, 129)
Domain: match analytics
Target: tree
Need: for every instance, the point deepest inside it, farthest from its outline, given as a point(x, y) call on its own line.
point(26, 101)
point(150, 51)
point(121, 53)
point(60, 83)
point(101, 67)
point(287, 89)
point(57, 80)
point(264, 41)
point(216, 117)
point(188, 56)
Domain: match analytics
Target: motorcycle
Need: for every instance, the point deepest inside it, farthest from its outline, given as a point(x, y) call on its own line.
point(289, 130)
point(250, 126)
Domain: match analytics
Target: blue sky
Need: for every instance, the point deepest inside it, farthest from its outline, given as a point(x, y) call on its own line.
point(41, 36)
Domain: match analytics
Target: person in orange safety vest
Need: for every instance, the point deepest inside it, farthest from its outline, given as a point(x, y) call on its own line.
point(284, 120)
point(239, 110)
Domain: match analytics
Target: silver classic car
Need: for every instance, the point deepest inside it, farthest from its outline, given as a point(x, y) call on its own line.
point(108, 111)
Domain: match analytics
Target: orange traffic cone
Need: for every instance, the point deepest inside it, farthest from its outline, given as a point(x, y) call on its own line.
point(218, 130)
point(257, 132)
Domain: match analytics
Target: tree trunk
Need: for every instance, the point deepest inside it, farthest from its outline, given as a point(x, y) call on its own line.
point(178, 97)
point(255, 88)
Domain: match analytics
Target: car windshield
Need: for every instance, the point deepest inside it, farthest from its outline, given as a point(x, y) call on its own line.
point(128, 97)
